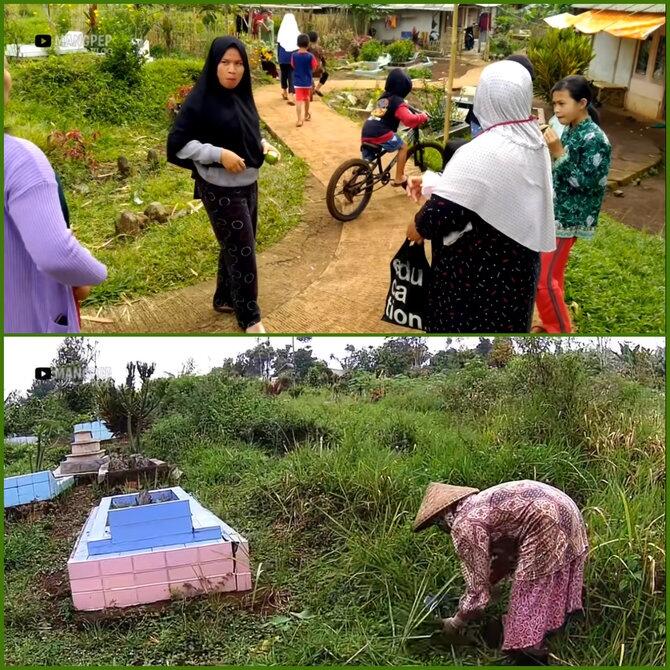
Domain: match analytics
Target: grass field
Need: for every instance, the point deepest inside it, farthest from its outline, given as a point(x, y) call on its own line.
point(127, 124)
point(325, 485)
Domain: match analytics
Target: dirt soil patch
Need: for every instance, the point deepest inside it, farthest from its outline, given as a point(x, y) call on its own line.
point(641, 207)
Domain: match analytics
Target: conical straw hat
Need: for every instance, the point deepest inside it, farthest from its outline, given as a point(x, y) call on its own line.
point(438, 497)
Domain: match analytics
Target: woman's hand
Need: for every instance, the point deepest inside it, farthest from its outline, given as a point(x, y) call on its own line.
point(554, 143)
point(413, 233)
point(267, 148)
point(453, 625)
point(414, 185)
point(81, 292)
point(232, 162)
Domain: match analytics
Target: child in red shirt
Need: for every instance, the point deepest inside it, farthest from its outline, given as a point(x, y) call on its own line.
point(303, 64)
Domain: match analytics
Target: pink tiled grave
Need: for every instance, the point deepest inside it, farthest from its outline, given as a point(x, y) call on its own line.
point(102, 577)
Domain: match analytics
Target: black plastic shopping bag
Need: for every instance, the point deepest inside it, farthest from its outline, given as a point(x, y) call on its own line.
point(406, 299)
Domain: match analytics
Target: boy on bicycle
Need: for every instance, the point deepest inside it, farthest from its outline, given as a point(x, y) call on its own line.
point(381, 128)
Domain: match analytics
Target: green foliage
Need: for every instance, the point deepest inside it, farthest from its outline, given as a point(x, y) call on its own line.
point(98, 88)
point(557, 54)
point(128, 409)
point(503, 46)
point(116, 121)
point(371, 50)
point(123, 62)
point(328, 512)
point(420, 73)
point(401, 51)
point(633, 264)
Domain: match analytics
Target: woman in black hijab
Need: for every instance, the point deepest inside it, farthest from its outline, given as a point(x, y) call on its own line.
point(217, 136)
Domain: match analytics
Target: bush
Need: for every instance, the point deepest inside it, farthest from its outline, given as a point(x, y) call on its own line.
point(171, 438)
point(123, 62)
point(401, 51)
point(78, 86)
point(503, 46)
point(420, 73)
point(558, 54)
point(371, 51)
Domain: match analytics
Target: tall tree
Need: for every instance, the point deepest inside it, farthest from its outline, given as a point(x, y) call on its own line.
point(400, 355)
point(129, 408)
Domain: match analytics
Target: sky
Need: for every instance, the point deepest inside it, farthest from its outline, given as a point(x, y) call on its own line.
point(24, 354)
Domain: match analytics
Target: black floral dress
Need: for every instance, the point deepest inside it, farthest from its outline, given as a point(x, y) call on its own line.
point(482, 280)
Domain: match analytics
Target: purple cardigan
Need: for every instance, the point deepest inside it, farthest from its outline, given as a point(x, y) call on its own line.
point(43, 260)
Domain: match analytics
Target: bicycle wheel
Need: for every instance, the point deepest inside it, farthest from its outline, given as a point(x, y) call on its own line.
point(426, 156)
point(349, 189)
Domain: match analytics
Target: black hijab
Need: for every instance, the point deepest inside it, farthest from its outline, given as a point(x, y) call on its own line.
point(398, 83)
point(226, 118)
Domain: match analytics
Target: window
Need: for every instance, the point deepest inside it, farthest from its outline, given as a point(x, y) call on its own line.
point(659, 67)
point(643, 56)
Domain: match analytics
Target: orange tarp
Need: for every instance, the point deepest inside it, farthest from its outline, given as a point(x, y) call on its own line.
point(620, 24)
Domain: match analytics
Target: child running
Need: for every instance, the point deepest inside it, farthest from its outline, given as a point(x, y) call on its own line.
point(317, 51)
point(303, 64)
point(391, 110)
point(582, 158)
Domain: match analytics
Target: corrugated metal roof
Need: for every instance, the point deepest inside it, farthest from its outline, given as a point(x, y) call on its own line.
point(428, 8)
point(633, 8)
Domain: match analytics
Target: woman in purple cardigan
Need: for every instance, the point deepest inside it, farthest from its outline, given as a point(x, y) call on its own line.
point(43, 260)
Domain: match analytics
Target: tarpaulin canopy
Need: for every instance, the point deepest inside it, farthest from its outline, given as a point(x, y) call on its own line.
point(619, 24)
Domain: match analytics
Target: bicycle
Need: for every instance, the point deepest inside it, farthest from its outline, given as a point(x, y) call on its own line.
point(353, 182)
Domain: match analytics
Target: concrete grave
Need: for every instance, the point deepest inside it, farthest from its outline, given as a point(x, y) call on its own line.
point(143, 548)
point(86, 456)
point(34, 487)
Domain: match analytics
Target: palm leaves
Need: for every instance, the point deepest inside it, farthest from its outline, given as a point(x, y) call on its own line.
point(558, 54)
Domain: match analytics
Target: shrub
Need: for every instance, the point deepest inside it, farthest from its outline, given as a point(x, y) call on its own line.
point(77, 87)
point(371, 51)
point(401, 51)
point(420, 73)
point(503, 46)
point(123, 62)
point(171, 437)
point(356, 44)
point(558, 54)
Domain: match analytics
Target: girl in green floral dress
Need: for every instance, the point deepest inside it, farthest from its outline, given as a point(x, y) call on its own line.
point(581, 164)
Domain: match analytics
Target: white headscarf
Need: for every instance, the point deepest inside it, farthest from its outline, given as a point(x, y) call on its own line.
point(504, 175)
point(287, 36)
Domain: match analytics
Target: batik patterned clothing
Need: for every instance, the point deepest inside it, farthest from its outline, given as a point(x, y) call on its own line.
point(547, 530)
point(482, 281)
point(580, 179)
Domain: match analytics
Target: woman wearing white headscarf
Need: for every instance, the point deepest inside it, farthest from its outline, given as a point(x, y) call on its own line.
point(287, 44)
point(490, 214)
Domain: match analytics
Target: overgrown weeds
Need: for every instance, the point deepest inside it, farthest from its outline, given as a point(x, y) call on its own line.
point(329, 521)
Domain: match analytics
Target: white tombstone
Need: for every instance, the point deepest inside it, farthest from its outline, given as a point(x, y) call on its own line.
point(142, 49)
point(25, 51)
point(72, 42)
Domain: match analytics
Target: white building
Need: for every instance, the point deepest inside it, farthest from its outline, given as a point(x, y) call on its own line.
point(401, 20)
point(629, 47)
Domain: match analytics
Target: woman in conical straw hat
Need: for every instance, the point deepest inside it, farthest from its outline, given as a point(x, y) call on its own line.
point(526, 530)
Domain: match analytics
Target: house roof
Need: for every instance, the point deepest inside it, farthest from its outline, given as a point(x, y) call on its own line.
point(427, 8)
point(631, 25)
point(632, 8)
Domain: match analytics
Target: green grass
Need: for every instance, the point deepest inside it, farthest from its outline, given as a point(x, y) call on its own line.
point(617, 281)
point(614, 284)
point(339, 575)
point(178, 254)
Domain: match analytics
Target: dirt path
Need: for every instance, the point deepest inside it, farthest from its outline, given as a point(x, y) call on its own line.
point(323, 277)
